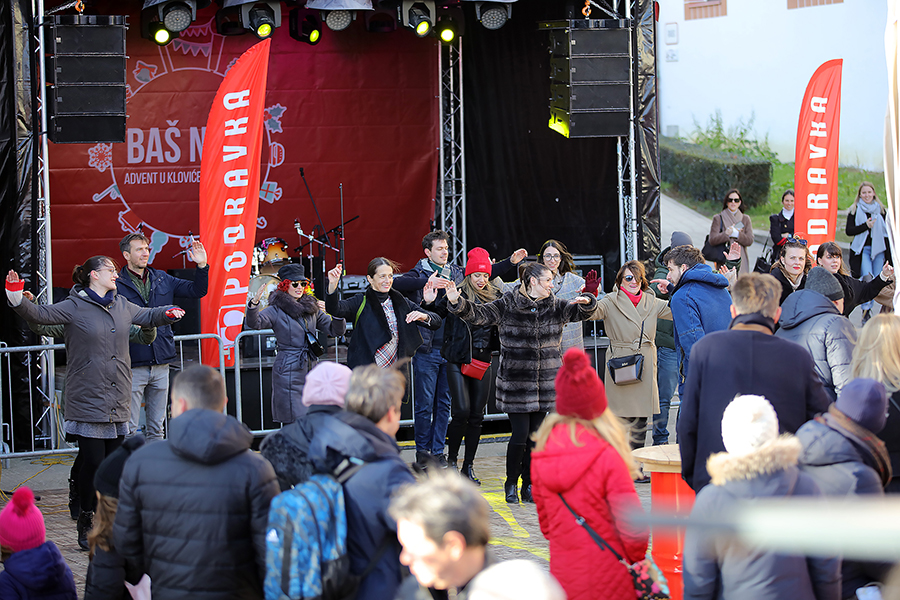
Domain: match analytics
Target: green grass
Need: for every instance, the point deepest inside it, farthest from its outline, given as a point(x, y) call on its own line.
point(849, 179)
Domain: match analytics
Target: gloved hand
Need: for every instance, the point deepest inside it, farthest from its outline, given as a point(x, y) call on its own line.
point(14, 287)
point(591, 282)
point(175, 312)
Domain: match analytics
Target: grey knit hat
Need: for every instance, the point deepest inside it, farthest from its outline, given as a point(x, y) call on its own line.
point(822, 281)
point(680, 238)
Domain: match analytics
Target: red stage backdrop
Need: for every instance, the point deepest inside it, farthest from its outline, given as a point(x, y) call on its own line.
point(816, 162)
point(359, 108)
point(229, 179)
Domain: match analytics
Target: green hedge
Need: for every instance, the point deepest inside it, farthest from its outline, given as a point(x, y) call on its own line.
point(707, 174)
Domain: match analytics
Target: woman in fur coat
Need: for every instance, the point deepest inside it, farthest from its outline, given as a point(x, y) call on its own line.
point(293, 312)
point(757, 464)
point(530, 320)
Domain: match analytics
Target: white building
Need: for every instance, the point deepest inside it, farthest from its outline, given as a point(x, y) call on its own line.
point(745, 57)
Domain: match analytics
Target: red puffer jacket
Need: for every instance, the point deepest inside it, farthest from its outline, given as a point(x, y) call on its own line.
point(596, 484)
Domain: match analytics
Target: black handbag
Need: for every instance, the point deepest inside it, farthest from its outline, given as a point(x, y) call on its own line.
point(764, 260)
point(715, 253)
point(312, 342)
point(626, 370)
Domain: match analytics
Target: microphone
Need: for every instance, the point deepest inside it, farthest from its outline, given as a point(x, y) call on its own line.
point(301, 171)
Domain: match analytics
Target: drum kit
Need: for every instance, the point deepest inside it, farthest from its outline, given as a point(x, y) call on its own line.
point(268, 256)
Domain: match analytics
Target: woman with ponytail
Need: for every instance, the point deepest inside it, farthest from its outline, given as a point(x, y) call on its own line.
point(98, 373)
point(294, 314)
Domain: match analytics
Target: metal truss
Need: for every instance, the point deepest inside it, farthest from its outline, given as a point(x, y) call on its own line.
point(451, 192)
point(626, 161)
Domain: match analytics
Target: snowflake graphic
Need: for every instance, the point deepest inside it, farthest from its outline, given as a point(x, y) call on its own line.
point(101, 157)
point(272, 118)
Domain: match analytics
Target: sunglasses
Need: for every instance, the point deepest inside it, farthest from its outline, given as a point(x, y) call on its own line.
point(793, 240)
point(297, 284)
point(734, 200)
point(629, 278)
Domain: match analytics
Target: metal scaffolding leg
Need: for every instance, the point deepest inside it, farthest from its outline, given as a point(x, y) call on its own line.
point(452, 174)
point(627, 164)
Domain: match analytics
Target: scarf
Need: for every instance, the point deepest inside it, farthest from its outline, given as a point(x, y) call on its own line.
point(634, 298)
point(733, 218)
point(106, 300)
point(753, 319)
point(878, 231)
point(875, 454)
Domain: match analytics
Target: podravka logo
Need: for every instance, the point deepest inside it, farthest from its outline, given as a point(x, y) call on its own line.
point(155, 175)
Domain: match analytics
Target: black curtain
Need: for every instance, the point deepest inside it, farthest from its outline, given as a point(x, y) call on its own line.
point(16, 187)
point(527, 183)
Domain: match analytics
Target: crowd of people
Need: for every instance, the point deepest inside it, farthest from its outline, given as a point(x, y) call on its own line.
point(780, 397)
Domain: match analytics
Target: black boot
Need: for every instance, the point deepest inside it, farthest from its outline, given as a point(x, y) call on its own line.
point(469, 474)
point(85, 523)
point(74, 500)
point(453, 464)
point(512, 493)
point(526, 477)
point(514, 454)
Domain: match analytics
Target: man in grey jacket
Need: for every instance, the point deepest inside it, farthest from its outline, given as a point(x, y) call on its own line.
point(812, 318)
point(193, 508)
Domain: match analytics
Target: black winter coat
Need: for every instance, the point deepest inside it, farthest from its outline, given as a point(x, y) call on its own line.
point(778, 225)
point(813, 321)
point(193, 510)
point(463, 342)
point(786, 288)
point(742, 361)
point(367, 495)
point(852, 229)
point(163, 289)
point(842, 468)
point(288, 448)
point(106, 576)
point(721, 567)
point(857, 292)
point(530, 336)
point(371, 330)
point(890, 435)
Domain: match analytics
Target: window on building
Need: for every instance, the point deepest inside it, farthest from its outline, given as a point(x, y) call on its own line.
point(704, 9)
point(805, 3)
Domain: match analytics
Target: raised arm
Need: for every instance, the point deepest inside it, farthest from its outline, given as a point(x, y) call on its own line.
point(475, 314)
point(581, 308)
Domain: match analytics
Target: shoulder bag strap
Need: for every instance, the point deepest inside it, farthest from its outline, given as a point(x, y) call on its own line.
point(359, 310)
point(639, 344)
point(594, 535)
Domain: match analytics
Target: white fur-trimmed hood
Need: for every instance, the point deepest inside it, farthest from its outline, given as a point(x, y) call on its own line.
point(775, 456)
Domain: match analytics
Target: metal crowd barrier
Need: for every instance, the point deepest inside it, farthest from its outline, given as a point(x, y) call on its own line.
point(47, 429)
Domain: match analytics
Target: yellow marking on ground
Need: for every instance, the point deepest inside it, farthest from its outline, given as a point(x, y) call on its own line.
point(496, 498)
point(520, 544)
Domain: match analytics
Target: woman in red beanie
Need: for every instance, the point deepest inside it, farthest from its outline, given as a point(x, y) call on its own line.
point(464, 343)
point(582, 455)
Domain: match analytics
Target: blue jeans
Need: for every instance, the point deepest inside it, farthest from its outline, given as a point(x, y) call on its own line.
point(666, 380)
point(871, 265)
point(431, 403)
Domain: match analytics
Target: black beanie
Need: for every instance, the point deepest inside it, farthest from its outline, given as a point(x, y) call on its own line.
point(106, 479)
point(821, 280)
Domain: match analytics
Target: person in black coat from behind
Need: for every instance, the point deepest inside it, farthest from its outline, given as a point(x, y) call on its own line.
point(781, 224)
point(108, 570)
point(842, 453)
point(288, 448)
point(463, 344)
point(877, 356)
point(385, 322)
point(856, 292)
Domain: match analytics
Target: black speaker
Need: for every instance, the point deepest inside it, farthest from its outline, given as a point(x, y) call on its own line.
point(590, 86)
point(85, 59)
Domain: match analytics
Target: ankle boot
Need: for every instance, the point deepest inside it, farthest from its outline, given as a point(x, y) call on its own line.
point(469, 474)
point(83, 527)
point(526, 477)
point(74, 500)
point(512, 493)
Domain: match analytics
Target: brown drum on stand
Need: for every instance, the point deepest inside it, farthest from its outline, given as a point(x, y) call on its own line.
point(276, 255)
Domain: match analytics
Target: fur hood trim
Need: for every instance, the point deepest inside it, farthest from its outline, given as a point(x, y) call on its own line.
point(777, 455)
point(305, 306)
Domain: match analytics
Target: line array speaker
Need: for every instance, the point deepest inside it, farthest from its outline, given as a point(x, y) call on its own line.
point(85, 58)
point(590, 83)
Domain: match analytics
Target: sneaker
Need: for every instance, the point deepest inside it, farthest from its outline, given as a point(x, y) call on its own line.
point(441, 460)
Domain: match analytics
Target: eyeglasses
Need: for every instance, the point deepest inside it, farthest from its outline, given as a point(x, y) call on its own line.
point(629, 278)
point(110, 269)
point(793, 240)
point(552, 256)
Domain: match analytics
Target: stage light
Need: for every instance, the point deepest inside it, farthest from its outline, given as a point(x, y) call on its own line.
point(419, 16)
point(160, 35)
point(305, 26)
point(338, 20)
point(446, 29)
point(176, 15)
point(262, 21)
point(493, 15)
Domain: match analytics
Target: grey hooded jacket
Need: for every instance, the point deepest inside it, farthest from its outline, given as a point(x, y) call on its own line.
point(813, 321)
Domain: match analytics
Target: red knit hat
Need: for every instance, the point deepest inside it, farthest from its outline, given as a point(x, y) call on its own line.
point(579, 391)
point(479, 261)
point(21, 522)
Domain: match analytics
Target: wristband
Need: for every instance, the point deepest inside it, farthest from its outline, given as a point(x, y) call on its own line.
point(15, 286)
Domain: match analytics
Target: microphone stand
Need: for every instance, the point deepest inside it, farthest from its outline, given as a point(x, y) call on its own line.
point(315, 207)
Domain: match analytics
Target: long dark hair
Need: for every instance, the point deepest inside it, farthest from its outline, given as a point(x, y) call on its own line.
point(832, 249)
point(566, 262)
point(81, 274)
point(730, 192)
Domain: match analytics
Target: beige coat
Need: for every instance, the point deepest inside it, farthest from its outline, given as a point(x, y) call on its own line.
point(622, 323)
